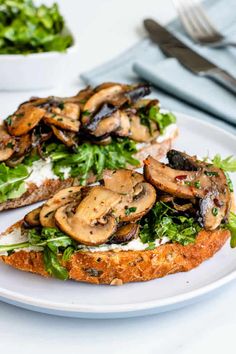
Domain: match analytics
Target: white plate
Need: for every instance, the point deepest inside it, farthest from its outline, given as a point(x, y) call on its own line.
point(92, 301)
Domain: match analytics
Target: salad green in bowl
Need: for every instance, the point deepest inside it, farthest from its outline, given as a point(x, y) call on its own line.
point(35, 45)
point(26, 28)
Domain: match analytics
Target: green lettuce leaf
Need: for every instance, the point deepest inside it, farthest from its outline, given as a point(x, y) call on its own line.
point(12, 181)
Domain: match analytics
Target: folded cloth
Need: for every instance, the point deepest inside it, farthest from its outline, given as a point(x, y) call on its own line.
point(177, 88)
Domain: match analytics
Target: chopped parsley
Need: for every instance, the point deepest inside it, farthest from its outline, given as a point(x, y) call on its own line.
point(215, 211)
point(128, 211)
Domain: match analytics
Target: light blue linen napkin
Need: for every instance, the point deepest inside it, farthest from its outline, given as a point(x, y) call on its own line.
point(177, 88)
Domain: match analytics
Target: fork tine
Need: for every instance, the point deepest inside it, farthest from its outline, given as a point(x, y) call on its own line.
point(198, 24)
point(212, 31)
point(187, 23)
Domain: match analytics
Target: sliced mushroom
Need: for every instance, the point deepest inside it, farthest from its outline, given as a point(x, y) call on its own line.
point(138, 91)
point(140, 132)
point(7, 144)
point(24, 119)
point(105, 141)
point(104, 111)
point(40, 134)
point(124, 126)
point(65, 118)
point(137, 196)
point(92, 223)
point(68, 138)
point(23, 146)
point(14, 161)
point(207, 183)
point(125, 233)
point(105, 85)
point(81, 97)
point(61, 198)
point(105, 95)
point(175, 182)
point(181, 161)
point(133, 206)
point(32, 218)
point(108, 125)
point(122, 181)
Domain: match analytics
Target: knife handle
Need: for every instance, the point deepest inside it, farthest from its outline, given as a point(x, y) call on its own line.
point(223, 78)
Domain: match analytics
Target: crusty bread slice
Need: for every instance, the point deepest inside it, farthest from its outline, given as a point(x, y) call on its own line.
point(118, 267)
point(36, 194)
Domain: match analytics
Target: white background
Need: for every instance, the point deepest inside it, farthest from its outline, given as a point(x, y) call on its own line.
point(105, 28)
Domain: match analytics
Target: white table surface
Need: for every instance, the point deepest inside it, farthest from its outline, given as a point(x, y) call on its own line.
point(104, 29)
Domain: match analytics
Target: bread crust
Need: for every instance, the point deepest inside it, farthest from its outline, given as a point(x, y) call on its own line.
point(118, 267)
point(36, 194)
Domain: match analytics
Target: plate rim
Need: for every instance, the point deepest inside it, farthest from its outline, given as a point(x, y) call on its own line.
point(40, 305)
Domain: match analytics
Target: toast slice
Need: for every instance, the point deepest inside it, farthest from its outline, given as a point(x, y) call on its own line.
point(120, 266)
point(107, 127)
point(125, 230)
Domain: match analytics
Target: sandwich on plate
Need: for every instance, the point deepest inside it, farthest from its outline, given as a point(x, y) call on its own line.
point(131, 226)
point(53, 143)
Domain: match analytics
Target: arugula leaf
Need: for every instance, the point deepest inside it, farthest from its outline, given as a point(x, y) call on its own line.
point(54, 243)
point(67, 253)
point(53, 266)
point(231, 226)
point(163, 120)
point(163, 221)
point(26, 28)
point(89, 158)
point(228, 164)
point(12, 181)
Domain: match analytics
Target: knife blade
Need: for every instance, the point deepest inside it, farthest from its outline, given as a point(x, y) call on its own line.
point(173, 47)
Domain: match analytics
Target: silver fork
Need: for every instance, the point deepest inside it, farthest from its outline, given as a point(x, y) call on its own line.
point(198, 26)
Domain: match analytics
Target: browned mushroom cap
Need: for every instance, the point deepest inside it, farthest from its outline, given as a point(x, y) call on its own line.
point(32, 218)
point(122, 181)
point(137, 196)
point(108, 125)
point(65, 118)
point(205, 182)
point(169, 180)
point(142, 133)
point(124, 126)
point(23, 145)
point(91, 223)
point(61, 198)
point(105, 85)
point(125, 233)
point(7, 144)
point(68, 138)
point(133, 206)
point(104, 95)
point(81, 97)
point(24, 119)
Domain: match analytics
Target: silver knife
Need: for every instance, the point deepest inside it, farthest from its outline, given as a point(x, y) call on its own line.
point(173, 47)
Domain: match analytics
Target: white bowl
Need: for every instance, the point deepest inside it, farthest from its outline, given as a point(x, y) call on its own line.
point(37, 70)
